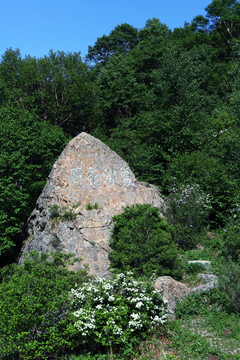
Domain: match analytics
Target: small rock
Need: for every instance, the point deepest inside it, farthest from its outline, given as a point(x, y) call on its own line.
point(205, 287)
point(207, 277)
point(172, 290)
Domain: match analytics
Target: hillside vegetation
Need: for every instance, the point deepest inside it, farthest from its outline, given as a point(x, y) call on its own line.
point(168, 102)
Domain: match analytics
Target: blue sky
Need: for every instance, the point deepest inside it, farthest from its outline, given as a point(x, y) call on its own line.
point(36, 26)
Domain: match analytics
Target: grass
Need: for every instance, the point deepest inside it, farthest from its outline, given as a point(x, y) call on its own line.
point(214, 335)
point(94, 206)
point(61, 213)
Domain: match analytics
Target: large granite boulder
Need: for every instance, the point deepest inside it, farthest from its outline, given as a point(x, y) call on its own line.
point(88, 184)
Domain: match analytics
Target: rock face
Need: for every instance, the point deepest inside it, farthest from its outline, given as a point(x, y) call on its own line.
point(172, 290)
point(87, 175)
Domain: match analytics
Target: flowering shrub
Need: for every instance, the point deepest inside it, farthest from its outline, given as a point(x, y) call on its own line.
point(116, 311)
point(188, 209)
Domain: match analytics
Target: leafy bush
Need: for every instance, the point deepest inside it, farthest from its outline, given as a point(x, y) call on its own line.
point(142, 242)
point(188, 208)
point(193, 304)
point(229, 285)
point(231, 238)
point(34, 303)
point(194, 268)
point(114, 312)
point(28, 149)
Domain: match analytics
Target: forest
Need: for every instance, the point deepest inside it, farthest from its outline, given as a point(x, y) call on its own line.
point(167, 101)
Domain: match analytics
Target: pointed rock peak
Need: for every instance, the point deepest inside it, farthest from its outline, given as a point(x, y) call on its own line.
point(88, 175)
point(88, 171)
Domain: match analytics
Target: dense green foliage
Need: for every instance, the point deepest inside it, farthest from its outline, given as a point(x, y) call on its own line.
point(229, 285)
point(34, 305)
point(58, 88)
point(231, 238)
point(142, 242)
point(187, 210)
point(166, 100)
point(48, 310)
point(28, 149)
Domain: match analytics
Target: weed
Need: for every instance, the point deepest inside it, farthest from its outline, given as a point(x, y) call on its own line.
point(77, 205)
point(205, 254)
point(55, 242)
point(54, 212)
point(68, 215)
point(61, 213)
point(229, 285)
point(90, 206)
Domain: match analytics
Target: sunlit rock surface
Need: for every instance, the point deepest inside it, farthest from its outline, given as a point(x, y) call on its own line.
point(87, 175)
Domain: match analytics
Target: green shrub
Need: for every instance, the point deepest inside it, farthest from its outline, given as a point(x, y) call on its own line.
point(116, 312)
point(34, 303)
point(193, 304)
point(194, 268)
point(231, 237)
point(142, 241)
point(187, 211)
point(229, 285)
point(77, 204)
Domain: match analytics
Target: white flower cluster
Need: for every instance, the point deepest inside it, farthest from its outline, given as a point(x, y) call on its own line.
point(186, 193)
point(235, 213)
point(85, 322)
point(112, 310)
point(136, 323)
point(116, 330)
